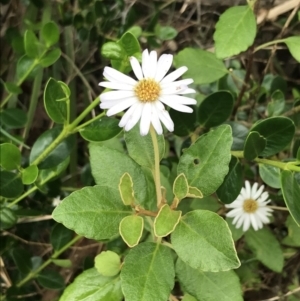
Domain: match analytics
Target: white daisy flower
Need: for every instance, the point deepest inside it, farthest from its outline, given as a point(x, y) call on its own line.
point(250, 207)
point(146, 96)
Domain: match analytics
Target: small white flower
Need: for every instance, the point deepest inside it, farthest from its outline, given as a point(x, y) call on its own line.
point(145, 97)
point(56, 201)
point(250, 207)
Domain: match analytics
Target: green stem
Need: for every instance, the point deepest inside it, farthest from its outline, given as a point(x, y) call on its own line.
point(24, 195)
point(12, 138)
point(281, 165)
point(156, 171)
point(46, 263)
point(262, 46)
point(83, 125)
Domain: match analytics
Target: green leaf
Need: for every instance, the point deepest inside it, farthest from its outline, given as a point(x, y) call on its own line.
point(165, 33)
point(50, 57)
point(113, 51)
point(31, 44)
point(239, 133)
point(10, 156)
point(10, 184)
point(82, 208)
point(109, 165)
point(131, 229)
point(293, 43)
point(8, 218)
point(136, 31)
point(147, 266)
point(60, 236)
point(215, 109)
point(202, 170)
point(21, 258)
point(13, 118)
point(129, 43)
point(141, 149)
point(58, 155)
point(46, 174)
point(197, 59)
point(188, 297)
point(50, 33)
point(108, 263)
point(235, 31)
point(194, 192)
point(55, 101)
point(277, 103)
point(51, 280)
point(92, 286)
point(63, 263)
point(166, 221)
point(101, 130)
point(197, 243)
point(263, 241)
point(24, 64)
point(270, 175)
point(291, 194)
point(293, 238)
point(232, 184)
point(180, 187)
point(236, 233)
point(278, 131)
point(126, 189)
point(254, 145)
point(185, 123)
point(12, 88)
point(208, 286)
point(30, 174)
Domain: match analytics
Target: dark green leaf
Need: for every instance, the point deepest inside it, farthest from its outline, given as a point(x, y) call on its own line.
point(293, 238)
point(291, 193)
point(233, 182)
point(10, 184)
point(31, 44)
point(200, 60)
point(197, 243)
point(277, 103)
point(239, 133)
point(147, 266)
point(50, 279)
point(129, 43)
point(82, 208)
point(13, 118)
point(30, 174)
point(10, 156)
point(92, 286)
point(165, 32)
point(21, 257)
point(58, 155)
point(215, 109)
point(270, 175)
point(235, 31)
point(24, 64)
point(50, 57)
point(50, 33)
point(8, 218)
point(55, 101)
point(278, 131)
point(254, 145)
point(208, 286)
point(12, 88)
point(185, 123)
point(101, 130)
point(60, 236)
point(202, 170)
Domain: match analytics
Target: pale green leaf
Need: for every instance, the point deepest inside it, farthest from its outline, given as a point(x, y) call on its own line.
point(131, 229)
point(108, 263)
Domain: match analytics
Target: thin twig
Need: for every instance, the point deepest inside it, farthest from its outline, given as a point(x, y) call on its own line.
point(294, 291)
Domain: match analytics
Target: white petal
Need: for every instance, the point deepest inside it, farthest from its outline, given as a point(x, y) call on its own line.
point(117, 76)
point(254, 222)
point(163, 65)
point(114, 95)
point(114, 85)
point(183, 82)
point(264, 196)
point(236, 218)
point(234, 212)
point(262, 217)
point(248, 189)
point(145, 119)
point(240, 221)
point(109, 104)
point(135, 65)
point(153, 63)
point(178, 99)
point(165, 118)
point(253, 189)
point(258, 192)
point(155, 121)
point(126, 103)
point(173, 90)
point(128, 115)
point(136, 115)
point(176, 106)
point(174, 75)
point(146, 63)
point(259, 222)
point(246, 225)
point(188, 91)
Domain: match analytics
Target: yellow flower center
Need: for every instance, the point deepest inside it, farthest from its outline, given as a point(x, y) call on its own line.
point(147, 90)
point(250, 206)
